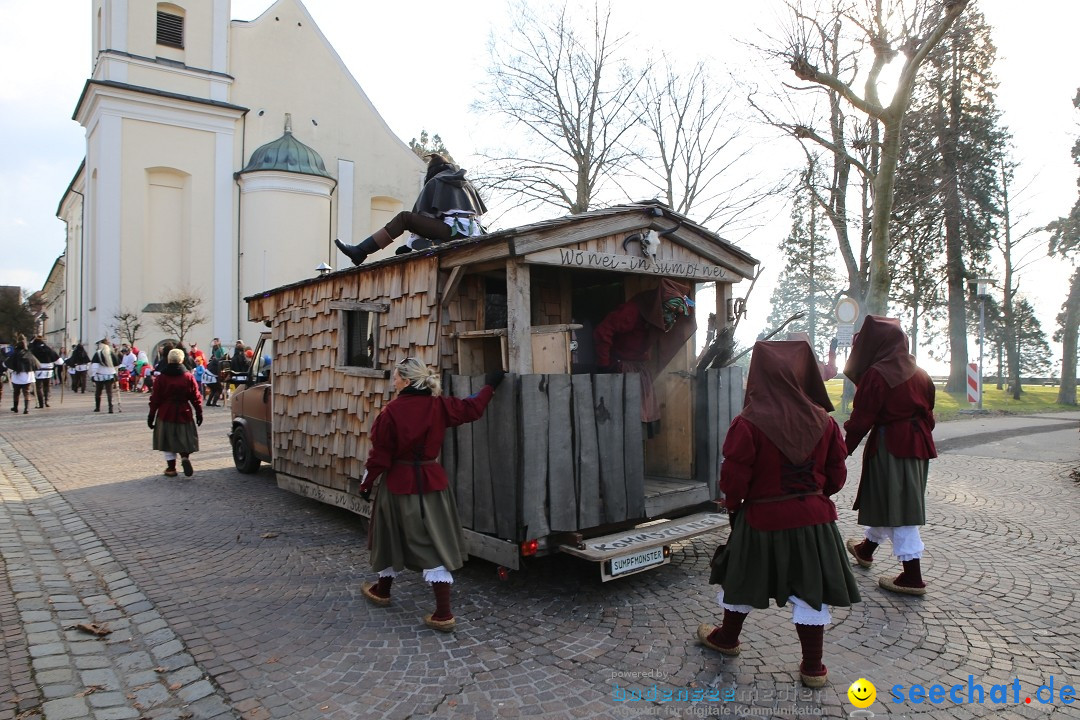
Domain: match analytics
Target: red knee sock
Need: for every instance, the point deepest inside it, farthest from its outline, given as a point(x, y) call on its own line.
point(727, 635)
point(812, 638)
point(442, 601)
point(382, 587)
point(912, 575)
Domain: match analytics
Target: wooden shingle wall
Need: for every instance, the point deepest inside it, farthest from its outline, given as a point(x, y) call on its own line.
point(464, 312)
point(322, 413)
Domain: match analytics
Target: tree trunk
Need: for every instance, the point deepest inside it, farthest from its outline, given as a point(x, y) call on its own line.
point(1067, 391)
point(877, 301)
point(954, 247)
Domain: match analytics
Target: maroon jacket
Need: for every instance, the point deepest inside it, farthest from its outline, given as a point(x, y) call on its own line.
point(754, 470)
point(410, 429)
point(905, 414)
point(175, 397)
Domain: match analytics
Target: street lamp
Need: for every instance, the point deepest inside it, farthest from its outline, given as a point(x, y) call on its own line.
point(982, 289)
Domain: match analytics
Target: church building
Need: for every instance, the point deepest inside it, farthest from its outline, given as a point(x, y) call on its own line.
point(222, 159)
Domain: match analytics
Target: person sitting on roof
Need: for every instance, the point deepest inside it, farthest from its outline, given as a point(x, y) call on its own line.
point(447, 209)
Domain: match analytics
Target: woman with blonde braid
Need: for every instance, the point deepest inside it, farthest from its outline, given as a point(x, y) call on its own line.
point(414, 520)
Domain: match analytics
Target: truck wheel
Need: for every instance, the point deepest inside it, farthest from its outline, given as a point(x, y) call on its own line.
point(242, 456)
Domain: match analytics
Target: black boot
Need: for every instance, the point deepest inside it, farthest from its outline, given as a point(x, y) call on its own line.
point(359, 253)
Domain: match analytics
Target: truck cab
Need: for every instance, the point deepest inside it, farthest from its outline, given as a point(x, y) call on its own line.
point(251, 407)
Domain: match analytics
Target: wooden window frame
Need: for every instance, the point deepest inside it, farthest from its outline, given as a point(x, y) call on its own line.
point(344, 307)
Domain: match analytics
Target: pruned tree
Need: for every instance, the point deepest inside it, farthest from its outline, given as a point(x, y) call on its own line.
point(427, 145)
point(894, 32)
point(126, 326)
point(565, 89)
point(693, 146)
point(1065, 242)
point(180, 314)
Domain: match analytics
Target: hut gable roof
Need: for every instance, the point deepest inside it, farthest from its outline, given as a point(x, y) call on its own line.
point(570, 230)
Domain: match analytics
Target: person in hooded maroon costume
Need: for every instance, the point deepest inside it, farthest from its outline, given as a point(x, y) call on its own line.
point(783, 459)
point(175, 414)
point(662, 318)
point(414, 518)
point(447, 209)
point(894, 402)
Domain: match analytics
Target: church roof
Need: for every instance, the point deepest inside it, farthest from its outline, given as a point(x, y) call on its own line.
point(287, 154)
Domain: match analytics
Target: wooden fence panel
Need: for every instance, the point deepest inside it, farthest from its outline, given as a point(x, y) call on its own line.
point(534, 455)
point(483, 490)
point(633, 448)
point(561, 481)
point(463, 461)
point(608, 413)
point(502, 450)
point(588, 458)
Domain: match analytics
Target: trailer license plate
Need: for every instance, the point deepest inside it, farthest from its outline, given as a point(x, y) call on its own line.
point(637, 561)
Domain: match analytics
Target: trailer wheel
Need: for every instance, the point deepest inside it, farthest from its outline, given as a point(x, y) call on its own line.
point(243, 458)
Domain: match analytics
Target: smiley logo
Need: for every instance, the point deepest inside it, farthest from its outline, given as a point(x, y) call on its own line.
point(862, 693)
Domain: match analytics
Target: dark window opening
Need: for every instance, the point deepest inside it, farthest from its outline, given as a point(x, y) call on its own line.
point(361, 339)
point(495, 304)
point(594, 296)
point(170, 30)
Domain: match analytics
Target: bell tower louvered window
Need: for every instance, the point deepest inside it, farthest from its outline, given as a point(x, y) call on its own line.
point(170, 30)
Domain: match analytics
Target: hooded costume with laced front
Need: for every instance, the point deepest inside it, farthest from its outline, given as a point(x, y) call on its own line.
point(894, 402)
point(783, 459)
point(643, 334)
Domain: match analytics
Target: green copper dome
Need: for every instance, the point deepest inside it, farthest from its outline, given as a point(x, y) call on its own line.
point(289, 155)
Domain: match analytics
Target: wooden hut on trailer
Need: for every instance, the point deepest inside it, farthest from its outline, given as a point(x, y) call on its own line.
point(561, 455)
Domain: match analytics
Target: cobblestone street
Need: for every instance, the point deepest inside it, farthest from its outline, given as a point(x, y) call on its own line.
point(229, 598)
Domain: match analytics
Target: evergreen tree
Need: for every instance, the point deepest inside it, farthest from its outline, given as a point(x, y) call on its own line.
point(1031, 344)
point(808, 282)
point(427, 145)
point(948, 182)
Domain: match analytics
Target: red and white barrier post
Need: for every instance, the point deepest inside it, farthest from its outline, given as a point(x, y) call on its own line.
point(974, 383)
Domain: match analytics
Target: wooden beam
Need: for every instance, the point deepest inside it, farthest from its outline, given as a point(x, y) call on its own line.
point(574, 233)
point(452, 284)
point(518, 318)
point(738, 262)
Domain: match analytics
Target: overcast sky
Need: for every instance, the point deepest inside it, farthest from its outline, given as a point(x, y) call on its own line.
point(395, 48)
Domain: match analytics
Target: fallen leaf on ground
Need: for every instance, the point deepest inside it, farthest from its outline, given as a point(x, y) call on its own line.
point(269, 535)
point(92, 628)
point(90, 690)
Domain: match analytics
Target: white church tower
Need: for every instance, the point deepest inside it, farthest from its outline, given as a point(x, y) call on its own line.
point(161, 146)
point(191, 186)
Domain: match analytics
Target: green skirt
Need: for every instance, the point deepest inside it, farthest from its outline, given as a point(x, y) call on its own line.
point(892, 490)
point(176, 437)
point(761, 565)
point(400, 538)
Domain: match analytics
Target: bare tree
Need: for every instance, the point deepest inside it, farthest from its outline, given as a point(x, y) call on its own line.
point(695, 146)
point(892, 35)
point(569, 94)
point(180, 314)
point(126, 326)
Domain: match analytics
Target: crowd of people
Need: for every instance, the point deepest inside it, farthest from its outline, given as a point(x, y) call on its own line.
point(33, 368)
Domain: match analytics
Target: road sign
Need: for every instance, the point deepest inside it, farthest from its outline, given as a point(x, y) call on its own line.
point(845, 332)
point(847, 310)
point(974, 384)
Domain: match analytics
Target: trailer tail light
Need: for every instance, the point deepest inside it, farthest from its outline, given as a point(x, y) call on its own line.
point(667, 551)
point(529, 547)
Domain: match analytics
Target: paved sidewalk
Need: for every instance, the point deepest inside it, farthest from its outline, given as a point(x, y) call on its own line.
point(93, 643)
point(248, 599)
